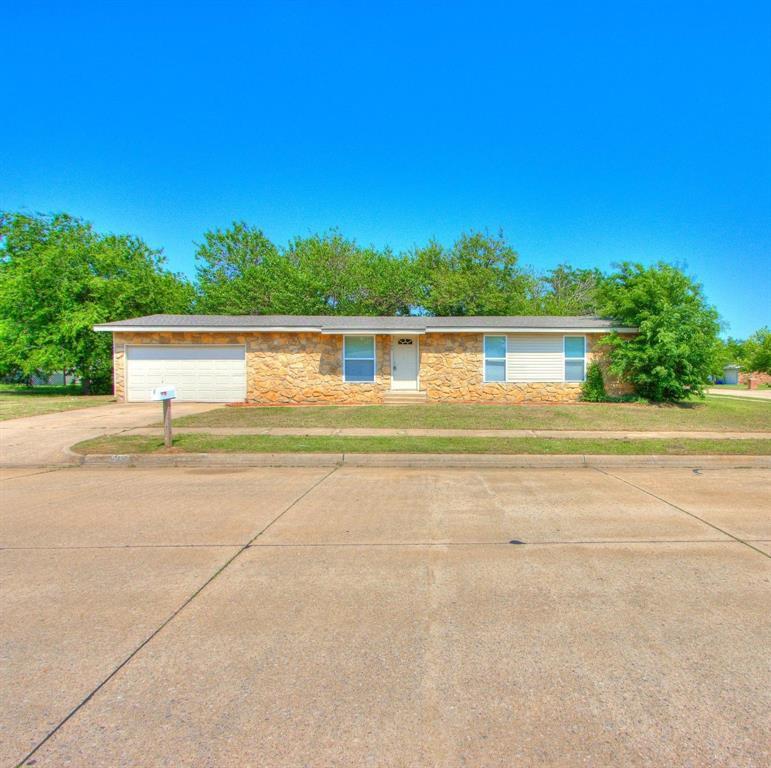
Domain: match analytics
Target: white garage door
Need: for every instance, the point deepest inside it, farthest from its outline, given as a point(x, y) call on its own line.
point(213, 374)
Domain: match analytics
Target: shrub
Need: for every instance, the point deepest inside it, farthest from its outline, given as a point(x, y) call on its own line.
point(593, 388)
point(673, 353)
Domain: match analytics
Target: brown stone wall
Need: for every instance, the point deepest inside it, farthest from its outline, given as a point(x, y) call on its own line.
point(308, 368)
point(451, 370)
point(280, 367)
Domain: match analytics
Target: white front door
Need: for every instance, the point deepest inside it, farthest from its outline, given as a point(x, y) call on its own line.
point(404, 362)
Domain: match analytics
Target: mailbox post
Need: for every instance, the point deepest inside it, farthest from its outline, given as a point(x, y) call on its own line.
point(165, 395)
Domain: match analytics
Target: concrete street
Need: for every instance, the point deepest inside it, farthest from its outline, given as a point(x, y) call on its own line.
point(384, 617)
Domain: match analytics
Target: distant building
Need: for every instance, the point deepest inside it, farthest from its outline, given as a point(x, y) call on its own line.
point(731, 374)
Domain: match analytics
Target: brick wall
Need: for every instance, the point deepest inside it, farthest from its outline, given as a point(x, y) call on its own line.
point(758, 376)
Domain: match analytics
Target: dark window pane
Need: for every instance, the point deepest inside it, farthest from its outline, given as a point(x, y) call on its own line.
point(359, 347)
point(574, 346)
point(495, 370)
point(574, 370)
point(359, 370)
point(495, 346)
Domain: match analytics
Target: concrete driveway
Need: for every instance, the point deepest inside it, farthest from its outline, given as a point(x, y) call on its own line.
point(41, 440)
point(384, 617)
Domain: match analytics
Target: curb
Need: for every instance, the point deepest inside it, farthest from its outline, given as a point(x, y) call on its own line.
point(418, 460)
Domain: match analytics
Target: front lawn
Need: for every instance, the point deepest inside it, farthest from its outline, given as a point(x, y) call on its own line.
point(17, 400)
point(714, 413)
point(203, 443)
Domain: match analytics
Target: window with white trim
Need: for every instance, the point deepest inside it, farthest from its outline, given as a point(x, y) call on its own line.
point(495, 358)
point(575, 358)
point(358, 358)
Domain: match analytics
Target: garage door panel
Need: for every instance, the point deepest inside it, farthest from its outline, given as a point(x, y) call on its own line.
point(205, 373)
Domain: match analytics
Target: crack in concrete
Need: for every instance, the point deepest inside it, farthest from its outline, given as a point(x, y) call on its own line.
point(383, 544)
point(165, 623)
point(746, 542)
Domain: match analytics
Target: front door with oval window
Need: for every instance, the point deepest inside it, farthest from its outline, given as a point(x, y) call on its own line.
point(404, 362)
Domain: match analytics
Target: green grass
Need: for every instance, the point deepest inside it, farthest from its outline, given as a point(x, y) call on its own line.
point(17, 400)
point(715, 413)
point(738, 386)
point(202, 443)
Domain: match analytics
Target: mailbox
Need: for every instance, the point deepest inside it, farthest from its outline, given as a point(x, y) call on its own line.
point(163, 393)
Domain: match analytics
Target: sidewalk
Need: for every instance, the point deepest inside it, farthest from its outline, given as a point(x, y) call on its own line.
point(416, 460)
point(373, 432)
point(753, 394)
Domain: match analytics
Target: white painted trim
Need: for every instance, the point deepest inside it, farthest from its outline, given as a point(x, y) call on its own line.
point(505, 359)
point(374, 359)
point(175, 345)
point(501, 331)
point(370, 332)
point(343, 332)
point(204, 329)
point(417, 361)
point(565, 358)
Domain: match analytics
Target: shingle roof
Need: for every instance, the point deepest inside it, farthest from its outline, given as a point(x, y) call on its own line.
point(340, 323)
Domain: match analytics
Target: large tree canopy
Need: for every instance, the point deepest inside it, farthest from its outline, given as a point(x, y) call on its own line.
point(478, 275)
point(673, 353)
point(58, 277)
point(241, 272)
point(569, 291)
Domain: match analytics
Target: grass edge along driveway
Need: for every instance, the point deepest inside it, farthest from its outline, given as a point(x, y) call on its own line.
point(713, 414)
point(204, 443)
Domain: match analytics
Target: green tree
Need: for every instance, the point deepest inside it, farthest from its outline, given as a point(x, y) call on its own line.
point(569, 291)
point(478, 275)
point(334, 275)
point(58, 277)
point(239, 271)
point(673, 353)
point(758, 351)
point(729, 351)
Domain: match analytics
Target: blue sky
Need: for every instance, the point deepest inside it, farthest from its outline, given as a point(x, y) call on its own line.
point(589, 132)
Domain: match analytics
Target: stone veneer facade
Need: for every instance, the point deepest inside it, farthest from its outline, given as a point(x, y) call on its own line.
point(306, 368)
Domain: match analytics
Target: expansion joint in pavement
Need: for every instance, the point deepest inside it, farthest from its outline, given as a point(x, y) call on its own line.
point(684, 511)
point(25, 760)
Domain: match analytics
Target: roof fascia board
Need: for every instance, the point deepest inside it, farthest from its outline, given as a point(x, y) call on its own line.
point(207, 329)
point(372, 332)
point(345, 331)
point(502, 329)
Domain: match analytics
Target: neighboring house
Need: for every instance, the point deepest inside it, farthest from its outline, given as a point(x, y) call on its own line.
point(55, 379)
point(731, 374)
point(356, 360)
point(759, 378)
